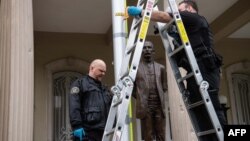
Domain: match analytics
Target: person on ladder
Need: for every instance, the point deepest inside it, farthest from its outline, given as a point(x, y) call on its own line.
point(150, 89)
point(201, 40)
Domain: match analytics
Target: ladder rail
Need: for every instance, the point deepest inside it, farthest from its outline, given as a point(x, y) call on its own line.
point(117, 89)
point(134, 67)
point(194, 66)
point(130, 43)
point(208, 103)
point(124, 92)
point(169, 50)
point(124, 87)
point(205, 95)
point(185, 41)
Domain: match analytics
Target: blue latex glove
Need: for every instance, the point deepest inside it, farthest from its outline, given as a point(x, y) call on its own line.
point(134, 11)
point(79, 133)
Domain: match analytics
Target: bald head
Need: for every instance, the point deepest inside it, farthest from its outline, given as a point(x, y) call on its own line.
point(97, 69)
point(97, 62)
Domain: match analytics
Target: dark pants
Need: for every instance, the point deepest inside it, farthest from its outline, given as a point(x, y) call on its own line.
point(154, 125)
point(213, 78)
point(95, 135)
point(92, 135)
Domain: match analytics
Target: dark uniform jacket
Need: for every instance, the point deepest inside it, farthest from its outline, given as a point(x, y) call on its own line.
point(141, 89)
point(201, 40)
point(89, 104)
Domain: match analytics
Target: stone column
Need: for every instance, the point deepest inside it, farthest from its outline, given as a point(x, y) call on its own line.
point(16, 70)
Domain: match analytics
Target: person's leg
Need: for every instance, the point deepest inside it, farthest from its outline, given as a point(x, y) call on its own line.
point(159, 125)
point(200, 114)
point(94, 135)
point(148, 128)
point(213, 78)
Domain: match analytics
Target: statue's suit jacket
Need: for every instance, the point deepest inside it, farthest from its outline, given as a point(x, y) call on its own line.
point(141, 88)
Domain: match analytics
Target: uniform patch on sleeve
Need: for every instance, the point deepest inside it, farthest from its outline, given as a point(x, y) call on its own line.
point(74, 90)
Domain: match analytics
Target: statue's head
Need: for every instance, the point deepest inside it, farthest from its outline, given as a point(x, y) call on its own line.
point(148, 51)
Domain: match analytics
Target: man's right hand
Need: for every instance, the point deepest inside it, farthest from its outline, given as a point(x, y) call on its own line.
point(134, 11)
point(79, 133)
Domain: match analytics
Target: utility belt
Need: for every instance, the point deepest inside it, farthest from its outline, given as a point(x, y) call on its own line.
point(208, 57)
point(202, 54)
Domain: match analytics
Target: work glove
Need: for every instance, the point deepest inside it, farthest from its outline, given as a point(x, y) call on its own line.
point(134, 11)
point(79, 133)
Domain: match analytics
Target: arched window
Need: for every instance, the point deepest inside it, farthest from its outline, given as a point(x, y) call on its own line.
point(238, 76)
point(61, 73)
point(61, 89)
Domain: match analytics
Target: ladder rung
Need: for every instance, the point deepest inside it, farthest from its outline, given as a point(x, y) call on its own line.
point(211, 131)
point(166, 26)
point(119, 101)
point(110, 132)
point(125, 74)
point(196, 104)
point(176, 50)
point(137, 23)
point(131, 49)
point(142, 2)
point(185, 77)
point(155, 4)
point(173, 48)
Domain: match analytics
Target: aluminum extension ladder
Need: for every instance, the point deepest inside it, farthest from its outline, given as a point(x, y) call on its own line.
point(204, 103)
point(123, 89)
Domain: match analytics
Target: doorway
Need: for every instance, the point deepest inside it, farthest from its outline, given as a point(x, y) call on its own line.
point(238, 76)
point(61, 88)
point(241, 86)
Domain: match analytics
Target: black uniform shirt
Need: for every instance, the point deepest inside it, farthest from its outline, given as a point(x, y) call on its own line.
point(195, 26)
point(89, 104)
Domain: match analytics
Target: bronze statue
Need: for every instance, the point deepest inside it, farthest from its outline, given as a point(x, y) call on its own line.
point(150, 90)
